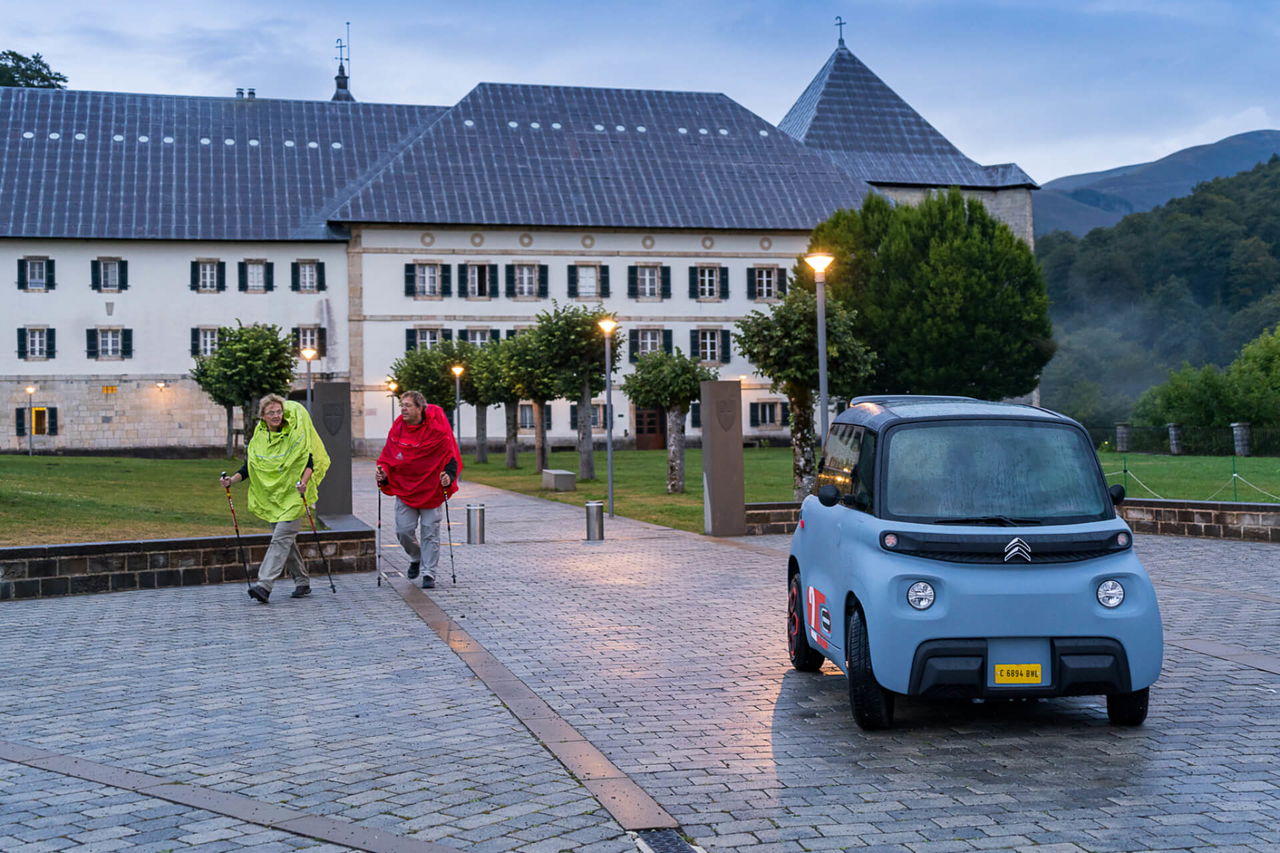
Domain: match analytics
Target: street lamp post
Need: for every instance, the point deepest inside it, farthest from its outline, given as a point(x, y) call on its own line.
point(392, 386)
point(309, 354)
point(819, 261)
point(607, 325)
point(457, 401)
point(31, 425)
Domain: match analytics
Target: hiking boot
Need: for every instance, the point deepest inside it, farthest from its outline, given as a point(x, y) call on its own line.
point(413, 569)
point(301, 592)
point(428, 582)
point(259, 594)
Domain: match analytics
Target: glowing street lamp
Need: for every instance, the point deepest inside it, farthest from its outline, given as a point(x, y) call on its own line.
point(457, 401)
point(392, 386)
point(31, 425)
point(309, 354)
point(819, 261)
point(607, 325)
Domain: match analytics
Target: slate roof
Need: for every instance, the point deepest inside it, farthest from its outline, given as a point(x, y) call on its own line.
point(117, 165)
point(591, 157)
point(864, 127)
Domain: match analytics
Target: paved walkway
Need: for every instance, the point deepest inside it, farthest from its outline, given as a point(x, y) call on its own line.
point(385, 719)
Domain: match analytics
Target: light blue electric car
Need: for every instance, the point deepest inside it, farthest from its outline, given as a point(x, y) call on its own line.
point(967, 549)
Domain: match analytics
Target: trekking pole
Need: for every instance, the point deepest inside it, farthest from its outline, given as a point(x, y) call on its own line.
point(316, 533)
point(377, 545)
point(453, 572)
point(236, 524)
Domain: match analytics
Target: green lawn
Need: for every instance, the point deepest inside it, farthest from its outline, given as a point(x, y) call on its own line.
point(1195, 477)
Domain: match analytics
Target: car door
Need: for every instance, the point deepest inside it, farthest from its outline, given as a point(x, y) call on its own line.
point(823, 573)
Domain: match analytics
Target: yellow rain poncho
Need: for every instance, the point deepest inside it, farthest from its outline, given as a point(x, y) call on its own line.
point(276, 462)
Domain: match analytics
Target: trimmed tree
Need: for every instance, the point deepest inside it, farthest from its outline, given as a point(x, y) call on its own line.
point(250, 362)
point(671, 382)
point(783, 345)
point(528, 370)
point(575, 338)
point(486, 389)
point(429, 372)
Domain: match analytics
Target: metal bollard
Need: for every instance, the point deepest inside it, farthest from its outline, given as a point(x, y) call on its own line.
point(595, 520)
point(475, 524)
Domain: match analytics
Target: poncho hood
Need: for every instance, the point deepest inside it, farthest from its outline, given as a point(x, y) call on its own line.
point(276, 462)
point(414, 456)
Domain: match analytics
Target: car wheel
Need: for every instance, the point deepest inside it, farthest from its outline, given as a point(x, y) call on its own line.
point(802, 655)
point(872, 705)
point(1128, 709)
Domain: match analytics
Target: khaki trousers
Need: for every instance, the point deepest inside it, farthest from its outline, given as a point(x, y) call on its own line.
point(283, 554)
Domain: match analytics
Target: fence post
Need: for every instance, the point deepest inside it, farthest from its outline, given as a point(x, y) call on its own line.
point(1175, 439)
point(1240, 437)
point(1122, 438)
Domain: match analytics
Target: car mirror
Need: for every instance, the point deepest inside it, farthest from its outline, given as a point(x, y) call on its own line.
point(828, 495)
point(1117, 494)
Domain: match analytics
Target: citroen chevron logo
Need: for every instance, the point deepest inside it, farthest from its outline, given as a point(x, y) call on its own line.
point(1017, 548)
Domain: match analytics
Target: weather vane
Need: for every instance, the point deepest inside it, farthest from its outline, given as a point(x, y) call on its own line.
point(840, 24)
point(344, 49)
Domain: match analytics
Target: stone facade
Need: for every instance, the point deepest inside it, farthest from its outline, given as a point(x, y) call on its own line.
point(1011, 206)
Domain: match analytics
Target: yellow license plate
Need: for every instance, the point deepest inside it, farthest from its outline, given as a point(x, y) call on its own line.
point(1018, 673)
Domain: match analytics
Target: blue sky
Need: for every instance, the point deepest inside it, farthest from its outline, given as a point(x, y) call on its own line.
point(1057, 86)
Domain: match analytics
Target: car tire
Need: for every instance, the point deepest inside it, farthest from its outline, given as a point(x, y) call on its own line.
point(872, 705)
point(1128, 709)
point(803, 657)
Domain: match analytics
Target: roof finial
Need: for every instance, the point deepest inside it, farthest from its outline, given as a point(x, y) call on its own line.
point(342, 93)
point(840, 24)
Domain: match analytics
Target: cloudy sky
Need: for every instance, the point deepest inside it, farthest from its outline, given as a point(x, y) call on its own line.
point(1057, 86)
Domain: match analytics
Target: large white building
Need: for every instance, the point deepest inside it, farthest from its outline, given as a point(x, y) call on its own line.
point(136, 225)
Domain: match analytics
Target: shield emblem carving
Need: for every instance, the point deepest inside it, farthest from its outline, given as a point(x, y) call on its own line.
point(331, 416)
point(726, 414)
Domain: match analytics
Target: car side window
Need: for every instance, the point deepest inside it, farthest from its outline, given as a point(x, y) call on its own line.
point(839, 457)
point(864, 475)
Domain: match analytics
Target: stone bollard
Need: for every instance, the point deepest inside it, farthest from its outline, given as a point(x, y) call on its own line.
point(595, 521)
point(1122, 438)
point(1175, 439)
point(1240, 437)
point(475, 524)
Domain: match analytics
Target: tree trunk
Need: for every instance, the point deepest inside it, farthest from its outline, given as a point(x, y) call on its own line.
point(803, 440)
point(513, 433)
point(231, 431)
point(482, 434)
point(539, 436)
point(675, 450)
point(586, 453)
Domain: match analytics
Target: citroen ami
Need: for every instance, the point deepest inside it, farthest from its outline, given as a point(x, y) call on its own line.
point(956, 548)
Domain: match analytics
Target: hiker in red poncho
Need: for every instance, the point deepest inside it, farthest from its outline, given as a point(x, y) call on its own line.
point(419, 465)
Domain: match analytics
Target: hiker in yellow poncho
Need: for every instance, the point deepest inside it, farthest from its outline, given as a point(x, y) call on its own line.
point(285, 460)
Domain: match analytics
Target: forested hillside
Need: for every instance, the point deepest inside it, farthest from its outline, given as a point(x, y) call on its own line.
point(1190, 282)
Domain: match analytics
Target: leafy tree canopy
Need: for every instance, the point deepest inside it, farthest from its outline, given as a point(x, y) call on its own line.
point(29, 72)
point(430, 371)
point(249, 363)
point(664, 380)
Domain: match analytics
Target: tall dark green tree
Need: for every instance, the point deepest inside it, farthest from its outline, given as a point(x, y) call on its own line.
point(672, 382)
point(250, 362)
point(948, 297)
point(30, 72)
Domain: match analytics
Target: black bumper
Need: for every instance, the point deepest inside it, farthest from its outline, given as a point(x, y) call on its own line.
point(1080, 666)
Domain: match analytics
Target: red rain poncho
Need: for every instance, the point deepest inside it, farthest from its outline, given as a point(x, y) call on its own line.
point(414, 456)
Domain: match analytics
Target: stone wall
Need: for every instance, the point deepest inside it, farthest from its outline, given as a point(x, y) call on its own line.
point(1011, 206)
point(51, 570)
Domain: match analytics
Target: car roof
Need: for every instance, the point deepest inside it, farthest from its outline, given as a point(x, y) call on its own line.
point(883, 410)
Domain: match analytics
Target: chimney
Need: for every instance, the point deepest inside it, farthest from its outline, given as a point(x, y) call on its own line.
point(239, 93)
point(250, 95)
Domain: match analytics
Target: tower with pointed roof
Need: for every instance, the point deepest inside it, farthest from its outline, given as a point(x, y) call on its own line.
point(341, 93)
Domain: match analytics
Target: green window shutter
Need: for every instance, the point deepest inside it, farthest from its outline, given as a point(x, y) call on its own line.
point(22, 344)
point(785, 414)
point(695, 414)
point(294, 284)
point(693, 345)
point(511, 281)
point(782, 281)
point(322, 340)
point(755, 414)
point(693, 282)
point(751, 282)
point(22, 273)
point(495, 334)
point(546, 417)
point(666, 282)
point(491, 285)
point(195, 276)
point(573, 281)
point(604, 281)
point(511, 333)
point(633, 287)
point(50, 279)
point(296, 334)
point(20, 418)
point(446, 274)
point(726, 346)
point(320, 285)
point(446, 334)
point(269, 276)
point(633, 346)
point(666, 341)
point(52, 420)
point(543, 276)
point(573, 417)
point(410, 340)
point(724, 282)
point(126, 343)
point(91, 343)
point(195, 342)
point(410, 279)
point(124, 274)
point(50, 343)
point(242, 269)
point(222, 276)
point(95, 275)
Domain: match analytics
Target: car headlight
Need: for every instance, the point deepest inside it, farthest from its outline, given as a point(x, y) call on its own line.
point(920, 595)
point(1110, 593)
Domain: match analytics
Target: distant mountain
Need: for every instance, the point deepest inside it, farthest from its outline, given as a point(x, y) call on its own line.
point(1080, 203)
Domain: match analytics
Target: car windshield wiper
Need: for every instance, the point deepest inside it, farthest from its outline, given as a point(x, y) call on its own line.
point(998, 520)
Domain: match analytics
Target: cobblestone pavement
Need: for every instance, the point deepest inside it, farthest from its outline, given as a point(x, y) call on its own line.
point(666, 651)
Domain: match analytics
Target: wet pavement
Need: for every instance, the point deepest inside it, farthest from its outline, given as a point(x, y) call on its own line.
point(511, 710)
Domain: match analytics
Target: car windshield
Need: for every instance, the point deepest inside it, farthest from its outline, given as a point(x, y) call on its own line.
point(992, 472)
